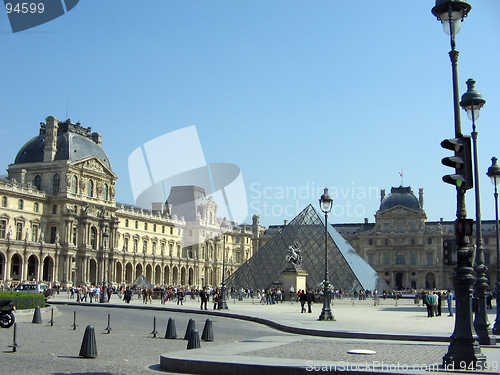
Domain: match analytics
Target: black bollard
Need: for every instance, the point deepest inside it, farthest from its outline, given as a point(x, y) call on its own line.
point(108, 328)
point(190, 327)
point(194, 340)
point(155, 332)
point(37, 316)
point(171, 332)
point(208, 331)
point(14, 345)
point(74, 321)
point(88, 348)
point(51, 317)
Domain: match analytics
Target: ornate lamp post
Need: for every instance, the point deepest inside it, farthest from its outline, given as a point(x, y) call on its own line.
point(103, 297)
point(326, 204)
point(464, 348)
point(494, 174)
point(472, 102)
point(224, 227)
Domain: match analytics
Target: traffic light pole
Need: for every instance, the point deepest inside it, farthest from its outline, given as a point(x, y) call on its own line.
point(464, 347)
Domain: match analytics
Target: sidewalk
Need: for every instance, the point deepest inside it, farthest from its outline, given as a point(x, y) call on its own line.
point(404, 339)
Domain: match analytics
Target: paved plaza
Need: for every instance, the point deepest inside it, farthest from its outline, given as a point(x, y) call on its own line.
point(404, 339)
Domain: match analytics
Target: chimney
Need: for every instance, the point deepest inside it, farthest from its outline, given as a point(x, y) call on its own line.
point(51, 126)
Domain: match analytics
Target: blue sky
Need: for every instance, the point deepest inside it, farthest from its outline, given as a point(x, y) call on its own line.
point(299, 94)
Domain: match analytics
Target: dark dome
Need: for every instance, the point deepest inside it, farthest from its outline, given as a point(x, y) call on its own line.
point(73, 143)
point(400, 196)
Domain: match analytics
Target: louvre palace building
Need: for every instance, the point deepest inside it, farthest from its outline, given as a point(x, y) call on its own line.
point(407, 250)
point(60, 223)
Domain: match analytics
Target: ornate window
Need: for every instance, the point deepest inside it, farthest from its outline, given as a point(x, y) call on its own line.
point(145, 247)
point(38, 182)
point(3, 228)
point(19, 231)
point(413, 259)
point(74, 185)
point(105, 192)
point(400, 226)
point(370, 242)
point(20, 204)
point(430, 259)
point(412, 241)
point(93, 238)
point(35, 207)
point(55, 183)
point(34, 233)
point(370, 259)
point(400, 257)
point(90, 189)
point(386, 225)
point(429, 241)
point(387, 259)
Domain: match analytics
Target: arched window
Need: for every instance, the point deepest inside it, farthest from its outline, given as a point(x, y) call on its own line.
point(126, 223)
point(74, 185)
point(91, 188)
point(35, 207)
point(400, 257)
point(4, 201)
point(38, 182)
point(105, 192)
point(55, 183)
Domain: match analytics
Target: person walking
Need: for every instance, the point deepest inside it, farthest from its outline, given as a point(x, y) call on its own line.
point(310, 299)
point(204, 298)
point(429, 302)
point(303, 300)
point(449, 298)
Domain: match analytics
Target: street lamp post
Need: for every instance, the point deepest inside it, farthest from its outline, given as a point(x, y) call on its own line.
point(494, 174)
point(326, 203)
point(225, 227)
point(103, 297)
point(472, 102)
point(464, 347)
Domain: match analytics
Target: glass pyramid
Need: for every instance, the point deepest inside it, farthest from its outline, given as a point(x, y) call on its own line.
point(346, 269)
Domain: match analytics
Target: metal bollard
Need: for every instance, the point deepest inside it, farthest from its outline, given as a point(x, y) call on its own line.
point(14, 345)
point(74, 321)
point(51, 317)
point(108, 328)
point(155, 332)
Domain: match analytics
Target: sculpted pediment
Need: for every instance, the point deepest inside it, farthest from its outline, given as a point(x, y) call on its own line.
point(94, 164)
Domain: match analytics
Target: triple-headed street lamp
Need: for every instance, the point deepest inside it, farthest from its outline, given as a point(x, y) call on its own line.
point(464, 348)
point(224, 228)
point(494, 174)
point(472, 102)
point(326, 204)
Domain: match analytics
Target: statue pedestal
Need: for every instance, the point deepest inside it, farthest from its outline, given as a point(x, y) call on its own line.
point(295, 278)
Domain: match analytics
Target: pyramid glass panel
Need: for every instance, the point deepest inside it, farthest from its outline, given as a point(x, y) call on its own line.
point(346, 269)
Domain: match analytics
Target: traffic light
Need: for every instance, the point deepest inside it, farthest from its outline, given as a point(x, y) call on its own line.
point(461, 161)
point(450, 252)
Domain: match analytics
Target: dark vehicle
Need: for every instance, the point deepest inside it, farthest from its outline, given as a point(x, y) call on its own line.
point(7, 318)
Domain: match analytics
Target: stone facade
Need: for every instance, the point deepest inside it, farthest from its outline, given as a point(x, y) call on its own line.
point(60, 223)
point(407, 250)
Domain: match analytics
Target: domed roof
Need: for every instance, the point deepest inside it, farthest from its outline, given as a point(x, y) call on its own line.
point(400, 196)
point(74, 143)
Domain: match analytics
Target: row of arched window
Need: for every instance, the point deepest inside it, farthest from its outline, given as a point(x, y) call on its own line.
point(20, 204)
point(56, 183)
